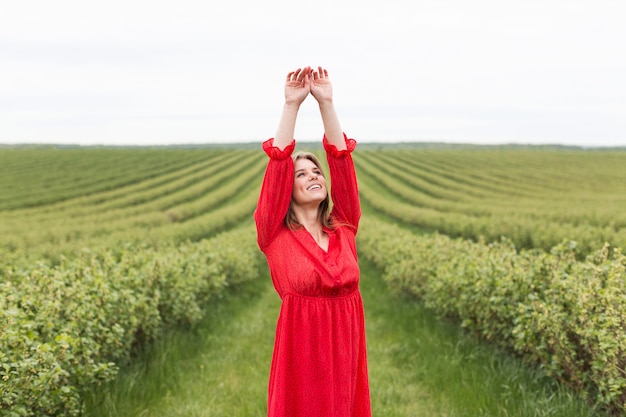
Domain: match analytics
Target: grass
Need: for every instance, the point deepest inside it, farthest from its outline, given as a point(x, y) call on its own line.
point(419, 366)
point(424, 366)
point(219, 368)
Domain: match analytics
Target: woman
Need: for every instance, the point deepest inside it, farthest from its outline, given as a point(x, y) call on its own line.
point(319, 365)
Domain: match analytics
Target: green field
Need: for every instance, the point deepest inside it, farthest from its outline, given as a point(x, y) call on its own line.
point(492, 280)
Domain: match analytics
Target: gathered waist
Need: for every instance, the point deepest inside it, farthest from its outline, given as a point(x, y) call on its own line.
point(354, 293)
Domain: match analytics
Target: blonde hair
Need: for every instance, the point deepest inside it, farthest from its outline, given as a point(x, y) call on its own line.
point(323, 209)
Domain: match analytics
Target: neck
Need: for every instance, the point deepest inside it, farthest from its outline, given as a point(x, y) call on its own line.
point(307, 217)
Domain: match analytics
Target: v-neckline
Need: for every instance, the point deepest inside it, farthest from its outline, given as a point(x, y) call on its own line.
point(310, 236)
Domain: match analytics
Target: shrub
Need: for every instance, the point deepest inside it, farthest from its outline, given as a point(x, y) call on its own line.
point(67, 327)
point(565, 315)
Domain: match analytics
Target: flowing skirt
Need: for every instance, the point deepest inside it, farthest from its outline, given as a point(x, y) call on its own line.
point(319, 365)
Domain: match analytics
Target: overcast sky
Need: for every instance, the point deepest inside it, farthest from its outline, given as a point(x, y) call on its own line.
point(186, 71)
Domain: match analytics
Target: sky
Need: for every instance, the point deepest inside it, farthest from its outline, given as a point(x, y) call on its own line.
point(138, 72)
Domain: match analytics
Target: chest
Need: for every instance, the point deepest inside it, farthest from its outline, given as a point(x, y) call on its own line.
point(299, 265)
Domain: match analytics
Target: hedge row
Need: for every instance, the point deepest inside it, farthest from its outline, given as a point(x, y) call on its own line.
point(66, 327)
point(565, 315)
point(526, 232)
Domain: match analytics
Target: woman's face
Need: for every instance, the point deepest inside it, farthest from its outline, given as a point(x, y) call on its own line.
point(309, 185)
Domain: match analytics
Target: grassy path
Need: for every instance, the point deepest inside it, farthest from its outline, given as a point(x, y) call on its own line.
point(218, 369)
point(418, 365)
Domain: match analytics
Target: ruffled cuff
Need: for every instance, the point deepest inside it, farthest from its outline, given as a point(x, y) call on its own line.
point(275, 153)
point(332, 149)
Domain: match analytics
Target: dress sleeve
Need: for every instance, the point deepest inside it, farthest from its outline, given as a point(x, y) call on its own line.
point(344, 188)
point(275, 194)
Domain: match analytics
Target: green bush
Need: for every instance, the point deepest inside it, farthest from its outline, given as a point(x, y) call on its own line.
point(565, 315)
point(66, 327)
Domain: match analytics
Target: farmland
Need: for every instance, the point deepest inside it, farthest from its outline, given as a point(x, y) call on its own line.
point(104, 250)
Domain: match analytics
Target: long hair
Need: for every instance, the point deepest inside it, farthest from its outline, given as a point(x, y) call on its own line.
point(323, 215)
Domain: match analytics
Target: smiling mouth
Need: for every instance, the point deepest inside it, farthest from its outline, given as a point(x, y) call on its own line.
point(314, 187)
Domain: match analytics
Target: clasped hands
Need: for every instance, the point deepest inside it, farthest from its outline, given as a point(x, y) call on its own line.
point(305, 80)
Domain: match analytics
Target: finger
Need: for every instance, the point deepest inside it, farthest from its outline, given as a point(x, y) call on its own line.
point(289, 75)
point(302, 74)
point(297, 76)
point(320, 71)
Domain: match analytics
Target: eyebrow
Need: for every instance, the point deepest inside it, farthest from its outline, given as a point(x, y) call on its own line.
point(304, 169)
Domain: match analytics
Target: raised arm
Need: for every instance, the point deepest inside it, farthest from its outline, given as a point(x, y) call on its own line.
point(322, 90)
point(278, 180)
point(344, 191)
point(297, 88)
point(275, 194)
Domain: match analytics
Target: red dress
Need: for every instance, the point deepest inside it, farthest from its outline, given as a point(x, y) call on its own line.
point(319, 365)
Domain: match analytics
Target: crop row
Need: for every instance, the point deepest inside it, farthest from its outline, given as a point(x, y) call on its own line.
point(170, 207)
point(557, 312)
point(67, 327)
point(488, 176)
point(156, 189)
point(43, 175)
point(120, 255)
point(529, 207)
point(586, 196)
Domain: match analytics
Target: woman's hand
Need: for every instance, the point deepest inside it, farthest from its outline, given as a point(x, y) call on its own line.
point(321, 88)
point(298, 85)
